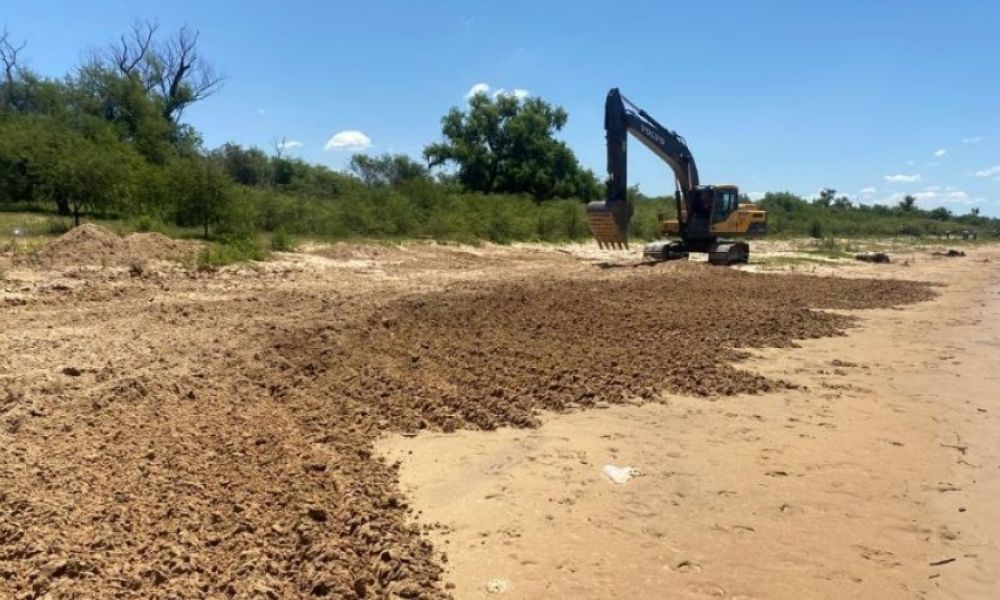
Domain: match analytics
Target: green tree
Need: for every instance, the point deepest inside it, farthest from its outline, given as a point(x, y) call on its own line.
point(842, 203)
point(88, 176)
point(826, 196)
point(908, 203)
point(507, 145)
point(247, 166)
point(203, 193)
point(940, 214)
point(387, 169)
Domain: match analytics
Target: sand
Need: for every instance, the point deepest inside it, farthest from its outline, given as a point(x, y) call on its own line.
point(187, 434)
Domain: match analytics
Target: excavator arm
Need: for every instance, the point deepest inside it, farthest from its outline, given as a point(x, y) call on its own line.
point(609, 219)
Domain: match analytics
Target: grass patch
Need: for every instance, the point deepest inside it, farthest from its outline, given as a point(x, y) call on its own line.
point(282, 242)
point(228, 251)
point(833, 248)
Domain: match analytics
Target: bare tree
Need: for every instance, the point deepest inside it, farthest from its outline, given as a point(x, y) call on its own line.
point(132, 52)
point(184, 77)
point(8, 56)
point(279, 145)
point(173, 68)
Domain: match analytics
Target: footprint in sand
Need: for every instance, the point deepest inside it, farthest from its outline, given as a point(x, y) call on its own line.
point(709, 590)
point(686, 566)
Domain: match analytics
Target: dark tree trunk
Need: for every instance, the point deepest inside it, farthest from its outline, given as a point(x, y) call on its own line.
point(62, 208)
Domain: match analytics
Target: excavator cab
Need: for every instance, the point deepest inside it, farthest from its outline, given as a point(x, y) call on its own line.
point(726, 198)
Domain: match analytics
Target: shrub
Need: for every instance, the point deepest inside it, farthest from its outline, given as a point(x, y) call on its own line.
point(57, 226)
point(816, 230)
point(229, 251)
point(282, 242)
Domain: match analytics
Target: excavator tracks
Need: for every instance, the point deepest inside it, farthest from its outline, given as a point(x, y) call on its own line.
point(729, 253)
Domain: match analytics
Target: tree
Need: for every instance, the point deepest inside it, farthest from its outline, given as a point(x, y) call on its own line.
point(8, 56)
point(842, 203)
point(974, 211)
point(90, 176)
point(507, 145)
point(387, 169)
point(203, 192)
point(826, 196)
point(940, 214)
point(171, 69)
point(908, 203)
point(247, 166)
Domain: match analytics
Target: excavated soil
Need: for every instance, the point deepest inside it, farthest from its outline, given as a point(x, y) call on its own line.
point(91, 244)
point(210, 435)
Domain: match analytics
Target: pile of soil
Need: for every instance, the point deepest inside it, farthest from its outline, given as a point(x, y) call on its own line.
point(156, 246)
point(225, 448)
point(91, 244)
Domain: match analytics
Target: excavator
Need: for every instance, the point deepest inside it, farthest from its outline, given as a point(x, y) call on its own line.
point(704, 212)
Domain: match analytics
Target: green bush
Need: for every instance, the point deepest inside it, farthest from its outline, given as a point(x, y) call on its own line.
point(282, 242)
point(816, 230)
point(230, 251)
point(57, 226)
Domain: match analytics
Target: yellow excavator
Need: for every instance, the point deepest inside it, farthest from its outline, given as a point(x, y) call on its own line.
point(705, 213)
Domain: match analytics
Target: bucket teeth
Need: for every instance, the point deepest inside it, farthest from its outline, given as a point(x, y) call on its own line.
point(609, 224)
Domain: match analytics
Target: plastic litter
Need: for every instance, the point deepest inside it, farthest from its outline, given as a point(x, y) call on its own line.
point(620, 475)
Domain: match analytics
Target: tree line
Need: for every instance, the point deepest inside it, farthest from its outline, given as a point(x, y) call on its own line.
point(108, 139)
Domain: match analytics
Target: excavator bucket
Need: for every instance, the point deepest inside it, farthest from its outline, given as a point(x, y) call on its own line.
point(609, 223)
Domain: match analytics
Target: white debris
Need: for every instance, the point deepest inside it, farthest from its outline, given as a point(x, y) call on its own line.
point(620, 475)
point(496, 586)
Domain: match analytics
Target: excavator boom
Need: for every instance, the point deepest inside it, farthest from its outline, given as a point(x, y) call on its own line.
point(609, 218)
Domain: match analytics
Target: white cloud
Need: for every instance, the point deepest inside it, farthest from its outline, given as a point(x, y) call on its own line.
point(989, 172)
point(484, 88)
point(933, 196)
point(902, 178)
point(287, 144)
point(868, 191)
point(350, 139)
point(755, 196)
point(940, 152)
point(518, 93)
point(973, 140)
point(478, 88)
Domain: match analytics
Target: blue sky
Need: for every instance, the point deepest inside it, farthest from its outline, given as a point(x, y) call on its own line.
point(874, 98)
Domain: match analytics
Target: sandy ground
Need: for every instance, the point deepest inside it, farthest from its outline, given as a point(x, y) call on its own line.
point(172, 433)
point(873, 481)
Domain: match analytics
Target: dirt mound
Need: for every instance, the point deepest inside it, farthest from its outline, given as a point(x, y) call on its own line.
point(91, 244)
point(156, 246)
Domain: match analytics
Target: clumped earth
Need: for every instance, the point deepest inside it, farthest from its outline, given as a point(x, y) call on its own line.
point(211, 435)
point(91, 244)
